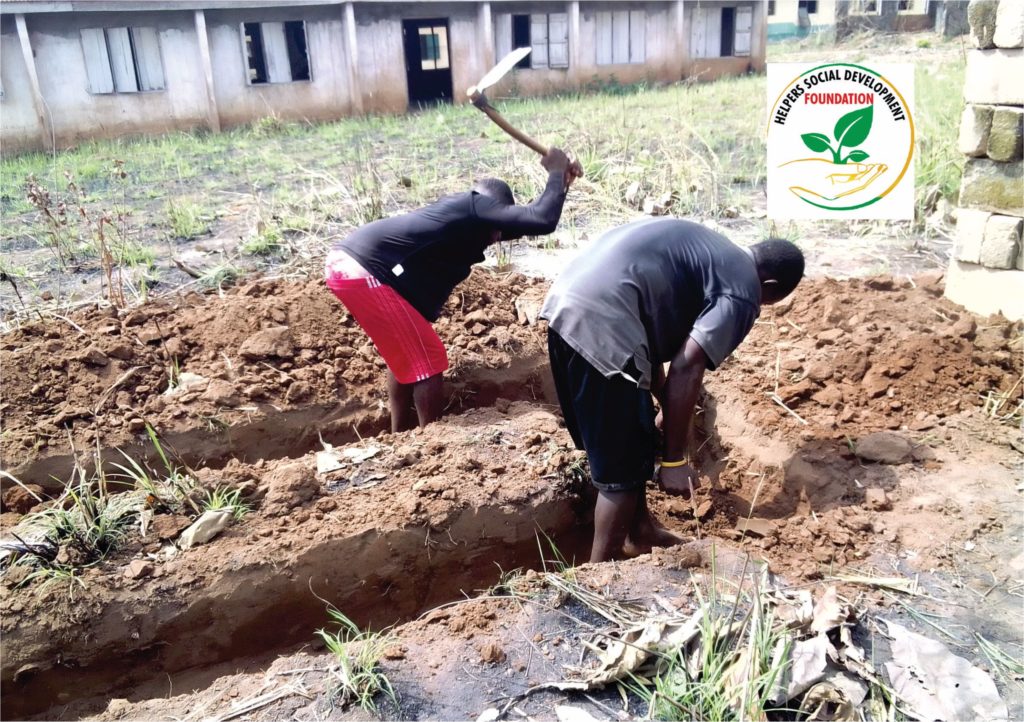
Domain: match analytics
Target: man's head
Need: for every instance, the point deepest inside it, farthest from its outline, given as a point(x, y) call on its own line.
point(780, 266)
point(499, 191)
point(496, 189)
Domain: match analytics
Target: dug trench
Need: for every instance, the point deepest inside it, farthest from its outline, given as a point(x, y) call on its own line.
point(435, 513)
point(267, 370)
point(441, 515)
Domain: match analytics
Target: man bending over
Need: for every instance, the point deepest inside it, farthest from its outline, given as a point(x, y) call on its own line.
point(394, 276)
point(647, 293)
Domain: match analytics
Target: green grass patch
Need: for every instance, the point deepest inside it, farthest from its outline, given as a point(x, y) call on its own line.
point(187, 219)
point(357, 676)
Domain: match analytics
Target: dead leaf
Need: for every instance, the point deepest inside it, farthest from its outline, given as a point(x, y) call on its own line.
point(808, 664)
point(829, 612)
point(938, 685)
point(825, 702)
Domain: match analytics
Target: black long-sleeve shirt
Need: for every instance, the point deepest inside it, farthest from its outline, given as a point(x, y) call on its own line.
point(426, 253)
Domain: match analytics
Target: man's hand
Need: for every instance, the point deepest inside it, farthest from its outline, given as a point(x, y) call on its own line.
point(556, 161)
point(574, 171)
point(678, 480)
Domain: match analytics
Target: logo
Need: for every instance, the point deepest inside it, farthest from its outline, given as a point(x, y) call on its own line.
point(840, 141)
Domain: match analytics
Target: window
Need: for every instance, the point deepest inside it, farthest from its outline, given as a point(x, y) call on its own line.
point(621, 37)
point(865, 7)
point(912, 6)
point(808, 6)
point(771, 7)
point(547, 34)
point(276, 52)
point(433, 48)
point(721, 32)
point(122, 60)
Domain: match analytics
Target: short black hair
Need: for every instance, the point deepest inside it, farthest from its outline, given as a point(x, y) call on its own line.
point(497, 189)
point(780, 260)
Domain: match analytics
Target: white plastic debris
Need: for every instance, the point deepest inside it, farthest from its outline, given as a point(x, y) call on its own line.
point(205, 528)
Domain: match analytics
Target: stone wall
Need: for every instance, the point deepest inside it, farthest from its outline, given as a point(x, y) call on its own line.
point(987, 270)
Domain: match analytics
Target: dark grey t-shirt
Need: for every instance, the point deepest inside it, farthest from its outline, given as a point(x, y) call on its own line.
point(641, 289)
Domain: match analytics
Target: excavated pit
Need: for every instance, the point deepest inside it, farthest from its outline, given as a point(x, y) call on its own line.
point(260, 372)
point(437, 512)
point(272, 433)
point(382, 555)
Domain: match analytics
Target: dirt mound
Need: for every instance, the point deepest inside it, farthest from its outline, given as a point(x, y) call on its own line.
point(210, 362)
point(856, 356)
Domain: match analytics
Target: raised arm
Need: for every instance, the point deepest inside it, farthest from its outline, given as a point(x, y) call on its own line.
point(540, 217)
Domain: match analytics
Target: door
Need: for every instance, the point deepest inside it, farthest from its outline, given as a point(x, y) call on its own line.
point(427, 61)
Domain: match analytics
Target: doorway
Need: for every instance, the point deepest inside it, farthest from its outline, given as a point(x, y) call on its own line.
point(427, 61)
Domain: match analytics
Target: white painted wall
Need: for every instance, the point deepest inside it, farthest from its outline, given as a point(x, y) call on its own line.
point(19, 127)
point(380, 67)
point(324, 96)
point(64, 85)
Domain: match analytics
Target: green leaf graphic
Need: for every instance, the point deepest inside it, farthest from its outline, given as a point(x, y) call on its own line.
point(818, 142)
point(857, 156)
point(853, 128)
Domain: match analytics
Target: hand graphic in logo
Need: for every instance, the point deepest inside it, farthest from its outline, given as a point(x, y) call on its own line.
point(819, 179)
point(822, 180)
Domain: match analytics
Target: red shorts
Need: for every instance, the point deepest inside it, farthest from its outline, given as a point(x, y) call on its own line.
point(407, 342)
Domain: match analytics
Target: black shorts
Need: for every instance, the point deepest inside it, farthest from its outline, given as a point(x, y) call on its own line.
point(611, 418)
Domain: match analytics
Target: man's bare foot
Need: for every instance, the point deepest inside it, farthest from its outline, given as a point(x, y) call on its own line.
point(649, 535)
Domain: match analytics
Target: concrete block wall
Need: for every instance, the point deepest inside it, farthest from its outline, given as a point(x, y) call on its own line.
point(986, 274)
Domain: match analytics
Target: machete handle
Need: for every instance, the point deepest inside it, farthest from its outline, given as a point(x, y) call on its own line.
point(480, 101)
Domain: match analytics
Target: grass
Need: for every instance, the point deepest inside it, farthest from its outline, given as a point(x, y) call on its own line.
point(80, 529)
point(939, 103)
point(701, 144)
point(226, 499)
point(187, 219)
point(265, 242)
point(357, 677)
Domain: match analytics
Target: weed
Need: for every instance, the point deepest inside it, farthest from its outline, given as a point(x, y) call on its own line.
point(731, 675)
point(171, 489)
point(77, 530)
point(557, 561)
point(221, 276)
point(267, 126)
point(924, 43)
point(939, 164)
point(228, 499)
point(187, 219)
point(266, 241)
point(173, 373)
point(358, 676)
point(61, 235)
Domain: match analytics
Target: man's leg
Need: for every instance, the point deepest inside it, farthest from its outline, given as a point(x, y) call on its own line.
point(645, 532)
point(428, 397)
point(400, 399)
point(613, 516)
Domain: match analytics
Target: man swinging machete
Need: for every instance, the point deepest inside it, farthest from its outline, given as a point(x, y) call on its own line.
point(395, 275)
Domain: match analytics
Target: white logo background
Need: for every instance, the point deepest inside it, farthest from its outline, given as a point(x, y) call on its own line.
point(796, 172)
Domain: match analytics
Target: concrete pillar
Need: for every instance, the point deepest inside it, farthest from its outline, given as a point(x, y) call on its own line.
point(575, 70)
point(212, 115)
point(45, 128)
point(486, 22)
point(987, 270)
point(681, 36)
point(355, 92)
